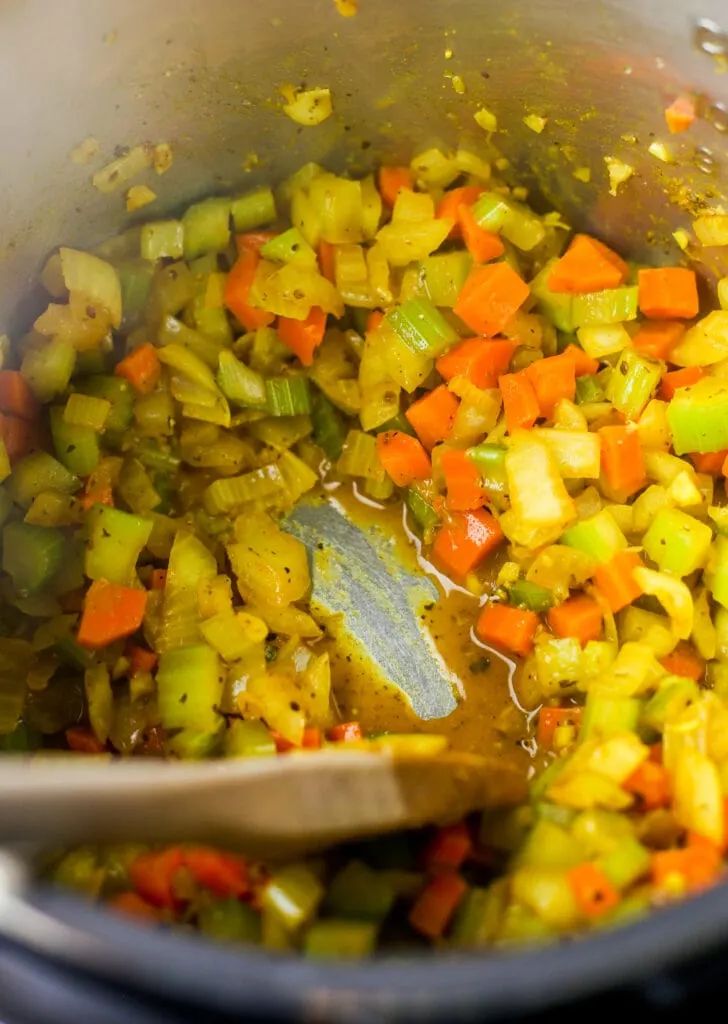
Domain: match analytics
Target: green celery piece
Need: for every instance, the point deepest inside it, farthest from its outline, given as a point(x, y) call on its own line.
point(288, 396)
point(163, 239)
point(605, 715)
point(248, 739)
point(253, 209)
point(524, 594)
point(293, 895)
point(555, 813)
point(76, 447)
point(588, 389)
point(397, 422)
point(230, 921)
point(676, 542)
point(674, 694)
point(211, 324)
point(548, 845)
point(32, 555)
point(289, 247)
point(360, 893)
point(555, 306)
point(16, 659)
point(340, 939)
point(49, 369)
point(491, 211)
point(115, 541)
point(633, 381)
point(22, 740)
point(158, 460)
point(421, 327)
point(72, 654)
point(189, 686)
point(421, 509)
point(206, 227)
point(136, 281)
point(329, 430)
point(719, 571)
point(239, 383)
point(522, 227)
point(230, 493)
point(542, 783)
point(598, 536)
point(121, 395)
point(698, 416)
point(626, 863)
point(479, 915)
point(444, 276)
point(611, 306)
point(38, 472)
point(491, 461)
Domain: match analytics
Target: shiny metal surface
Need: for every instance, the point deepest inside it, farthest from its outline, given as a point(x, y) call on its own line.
point(206, 77)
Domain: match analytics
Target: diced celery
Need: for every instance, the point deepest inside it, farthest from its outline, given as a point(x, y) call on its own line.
point(556, 307)
point(491, 461)
point(524, 594)
point(612, 306)
point(229, 494)
point(230, 921)
point(718, 584)
point(588, 390)
point(698, 416)
point(359, 457)
point(402, 364)
point(604, 716)
point(677, 543)
point(36, 473)
point(120, 394)
point(189, 688)
point(293, 894)
point(674, 695)
point(206, 227)
point(445, 275)
point(359, 892)
point(288, 396)
point(558, 665)
point(421, 327)
point(633, 381)
point(548, 845)
point(340, 939)
point(239, 383)
point(479, 915)
point(32, 556)
point(163, 239)
point(289, 247)
point(329, 431)
point(76, 447)
point(48, 370)
point(249, 739)
point(253, 209)
point(136, 280)
point(491, 211)
point(598, 536)
point(115, 542)
point(421, 509)
point(522, 227)
point(647, 628)
point(86, 411)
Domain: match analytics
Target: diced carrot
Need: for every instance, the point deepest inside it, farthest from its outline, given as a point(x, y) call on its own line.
point(481, 360)
point(579, 616)
point(668, 293)
point(403, 457)
point(453, 201)
point(462, 480)
point(436, 904)
point(253, 241)
point(553, 379)
point(656, 753)
point(110, 612)
point(593, 892)
point(83, 741)
point(312, 738)
point(20, 436)
point(520, 402)
point(678, 379)
point(650, 783)
point(374, 321)
point(141, 368)
point(709, 462)
point(16, 396)
point(657, 338)
point(490, 296)
point(584, 365)
point(221, 873)
point(345, 731)
point(587, 266)
point(158, 579)
point(680, 114)
point(98, 489)
point(140, 659)
point(303, 337)
point(326, 261)
point(616, 582)
point(152, 875)
point(237, 290)
point(133, 905)
point(481, 244)
point(684, 661)
point(391, 180)
point(464, 540)
point(693, 868)
point(282, 744)
point(508, 627)
point(448, 849)
point(433, 416)
point(549, 720)
point(622, 461)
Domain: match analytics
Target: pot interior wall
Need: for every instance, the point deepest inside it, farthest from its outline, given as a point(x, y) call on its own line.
point(206, 77)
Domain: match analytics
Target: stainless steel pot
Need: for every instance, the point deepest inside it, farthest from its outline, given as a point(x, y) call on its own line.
point(206, 78)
